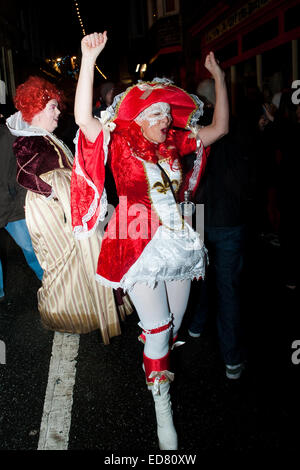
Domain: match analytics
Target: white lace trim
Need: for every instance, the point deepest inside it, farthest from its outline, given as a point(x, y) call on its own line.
point(199, 111)
point(128, 285)
point(197, 166)
point(81, 231)
point(165, 81)
point(157, 325)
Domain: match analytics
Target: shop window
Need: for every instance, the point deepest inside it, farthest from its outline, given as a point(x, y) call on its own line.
point(154, 10)
point(137, 19)
point(262, 34)
point(292, 18)
point(227, 52)
point(246, 71)
point(169, 6)
point(277, 67)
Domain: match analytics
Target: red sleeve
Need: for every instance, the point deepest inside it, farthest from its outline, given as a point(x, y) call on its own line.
point(185, 142)
point(87, 185)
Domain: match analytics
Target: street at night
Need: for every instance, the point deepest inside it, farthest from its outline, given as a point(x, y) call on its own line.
point(111, 410)
point(129, 116)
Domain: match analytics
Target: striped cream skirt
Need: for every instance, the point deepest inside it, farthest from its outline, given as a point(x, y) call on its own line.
point(70, 299)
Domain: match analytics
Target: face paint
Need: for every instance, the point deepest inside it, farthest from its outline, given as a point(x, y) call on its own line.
point(155, 113)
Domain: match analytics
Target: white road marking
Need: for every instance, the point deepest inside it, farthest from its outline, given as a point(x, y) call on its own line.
point(56, 420)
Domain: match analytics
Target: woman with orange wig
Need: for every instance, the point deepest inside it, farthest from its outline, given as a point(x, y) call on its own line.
point(69, 300)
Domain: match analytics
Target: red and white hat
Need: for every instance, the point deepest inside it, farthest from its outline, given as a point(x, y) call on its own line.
point(185, 108)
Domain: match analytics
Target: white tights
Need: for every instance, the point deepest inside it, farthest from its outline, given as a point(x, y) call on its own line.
point(154, 308)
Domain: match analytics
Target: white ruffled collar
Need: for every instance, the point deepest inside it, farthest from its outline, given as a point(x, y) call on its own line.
point(19, 128)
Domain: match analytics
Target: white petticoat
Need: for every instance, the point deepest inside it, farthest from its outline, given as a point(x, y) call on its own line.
point(169, 256)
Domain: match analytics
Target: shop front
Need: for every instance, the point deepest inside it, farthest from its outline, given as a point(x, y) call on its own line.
point(256, 44)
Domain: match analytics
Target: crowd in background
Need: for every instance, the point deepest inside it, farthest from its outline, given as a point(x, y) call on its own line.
point(266, 126)
point(250, 186)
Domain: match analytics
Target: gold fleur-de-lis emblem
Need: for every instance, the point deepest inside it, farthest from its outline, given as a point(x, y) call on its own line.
point(165, 185)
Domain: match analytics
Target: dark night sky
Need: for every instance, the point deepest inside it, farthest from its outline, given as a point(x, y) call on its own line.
point(63, 31)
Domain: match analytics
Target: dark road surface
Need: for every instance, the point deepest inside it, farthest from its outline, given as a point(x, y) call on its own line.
point(112, 412)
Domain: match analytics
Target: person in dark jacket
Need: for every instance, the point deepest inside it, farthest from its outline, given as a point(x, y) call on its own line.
point(12, 201)
point(225, 191)
point(287, 125)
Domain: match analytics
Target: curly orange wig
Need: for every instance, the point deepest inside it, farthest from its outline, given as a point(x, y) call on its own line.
point(33, 95)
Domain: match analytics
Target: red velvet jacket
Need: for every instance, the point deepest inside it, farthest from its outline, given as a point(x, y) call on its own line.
point(37, 155)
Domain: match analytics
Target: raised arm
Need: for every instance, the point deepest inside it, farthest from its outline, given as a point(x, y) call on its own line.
point(91, 46)
point(220, 123)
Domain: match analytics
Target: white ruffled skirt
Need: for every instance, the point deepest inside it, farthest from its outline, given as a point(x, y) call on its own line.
point(169, 256)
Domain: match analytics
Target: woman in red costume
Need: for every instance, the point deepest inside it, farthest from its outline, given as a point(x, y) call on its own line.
point(148, 249)
point(69, 300)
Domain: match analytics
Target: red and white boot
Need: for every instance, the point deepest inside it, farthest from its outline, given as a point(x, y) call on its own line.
point(158, 379)
point(174, 343)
